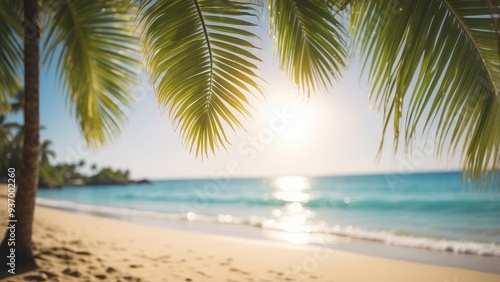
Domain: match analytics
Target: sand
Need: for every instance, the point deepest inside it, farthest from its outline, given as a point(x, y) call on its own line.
point(75, 247)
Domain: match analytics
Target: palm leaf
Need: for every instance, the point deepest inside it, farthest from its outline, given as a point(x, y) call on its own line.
point(97, 61)
point(202, 63)
point(11, 50)
point(435, 62)
point(310, 41)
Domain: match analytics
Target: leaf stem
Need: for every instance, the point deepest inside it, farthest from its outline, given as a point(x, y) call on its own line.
point(473, 40)
point(209, 47)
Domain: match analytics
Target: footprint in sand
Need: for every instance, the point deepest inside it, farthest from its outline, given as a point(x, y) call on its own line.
point(100, 276)
point(202, 273)
point(71, 272)
point(166, 257)
point(234, 269)
point(83, 253)
point(34, 278)
point(47, 274)
point(132, 278)
point(110, 270)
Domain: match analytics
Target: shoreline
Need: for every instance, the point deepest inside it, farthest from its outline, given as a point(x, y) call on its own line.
point(375, 248)
point(76, 247)
point(487, 264)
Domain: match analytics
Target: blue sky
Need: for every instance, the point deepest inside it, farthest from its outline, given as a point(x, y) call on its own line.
point(332, 133)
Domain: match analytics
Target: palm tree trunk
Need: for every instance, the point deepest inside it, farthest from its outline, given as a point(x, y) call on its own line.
point(27, 179)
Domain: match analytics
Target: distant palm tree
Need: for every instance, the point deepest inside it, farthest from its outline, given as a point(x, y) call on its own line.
point(81, 163)
point(9, 149)
point(19, 136)
point(45, 152)
point(93, 167)
point(7, 130)
point(18, 104)
point(427, 60)
point(14, 103)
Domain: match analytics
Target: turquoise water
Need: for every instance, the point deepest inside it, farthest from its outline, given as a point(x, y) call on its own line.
point(434, 211)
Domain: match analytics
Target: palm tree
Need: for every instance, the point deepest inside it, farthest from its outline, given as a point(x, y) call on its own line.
point(18, 104)
point(7, 130)
point(81, 164)
point(93, 168)
point(9, 149)
point(27, 184)
point(429, 61)
point(15, 103)
point(46, 152)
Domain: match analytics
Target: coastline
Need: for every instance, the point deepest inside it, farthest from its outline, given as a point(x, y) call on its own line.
point(75, 247)
point(476, 262)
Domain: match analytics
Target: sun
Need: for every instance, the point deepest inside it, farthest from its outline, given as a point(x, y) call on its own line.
point(293, 120)
point(295, 133)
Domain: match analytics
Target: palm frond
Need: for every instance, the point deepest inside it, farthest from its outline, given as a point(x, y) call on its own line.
point(310, 41)
point(202, 61)
point(11, 50)
point(435, 62)
point(95, 45)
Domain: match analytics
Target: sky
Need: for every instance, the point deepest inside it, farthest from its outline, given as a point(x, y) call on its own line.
point(334, 133)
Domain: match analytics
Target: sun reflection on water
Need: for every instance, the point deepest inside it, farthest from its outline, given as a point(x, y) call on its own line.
point(291, 188)
point(292, 183)
point(291, 219)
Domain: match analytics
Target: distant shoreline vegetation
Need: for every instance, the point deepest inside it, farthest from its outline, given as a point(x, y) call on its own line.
point(62, 175)
point(54, 176)
point(67, 174)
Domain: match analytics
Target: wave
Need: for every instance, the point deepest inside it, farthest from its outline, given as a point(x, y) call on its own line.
point(462, 247)
point(366, 203)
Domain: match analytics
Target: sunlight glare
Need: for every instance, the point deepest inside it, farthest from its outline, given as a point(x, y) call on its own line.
point(292, 183)
point(295, 131)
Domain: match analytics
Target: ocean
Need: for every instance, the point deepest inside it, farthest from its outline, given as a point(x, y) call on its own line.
point(424, 217)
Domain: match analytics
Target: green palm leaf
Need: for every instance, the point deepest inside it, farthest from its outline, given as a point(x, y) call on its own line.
point(310, 41)
point(97, 60)
point(436, 62)
point(200, 56)
point(11, 50)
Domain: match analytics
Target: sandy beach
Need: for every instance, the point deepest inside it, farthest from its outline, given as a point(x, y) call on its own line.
point(75, 247)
